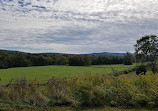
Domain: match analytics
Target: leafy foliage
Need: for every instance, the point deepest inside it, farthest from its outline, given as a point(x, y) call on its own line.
point(147, 46)
point(128, 59)
point(80, 60)
point(17, 59)
point(141, 69)
point(146, 50)
point(94, 90)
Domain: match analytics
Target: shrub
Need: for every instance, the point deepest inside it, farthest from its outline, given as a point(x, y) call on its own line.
point(89, 91)
point(141, 69)
point(58, 92)
point(89, 95)
point(141, 100)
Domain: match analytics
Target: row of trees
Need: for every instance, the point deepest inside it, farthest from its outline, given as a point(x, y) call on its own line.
point(8, 60)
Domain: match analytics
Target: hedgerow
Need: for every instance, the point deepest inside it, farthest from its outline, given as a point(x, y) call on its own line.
point(87, 91)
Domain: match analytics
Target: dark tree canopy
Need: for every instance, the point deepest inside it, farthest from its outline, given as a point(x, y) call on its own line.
point(16, 59)
point(80, 60)
point(146, 50)
point(146, 47)
point(128, 59)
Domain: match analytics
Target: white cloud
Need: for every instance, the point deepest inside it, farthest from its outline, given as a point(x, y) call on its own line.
point(71, 26)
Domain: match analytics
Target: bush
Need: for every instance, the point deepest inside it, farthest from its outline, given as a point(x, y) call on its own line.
point(153, 67)
point(141, 69)
point(141, 100)
point(87, 95)
point(89, 91)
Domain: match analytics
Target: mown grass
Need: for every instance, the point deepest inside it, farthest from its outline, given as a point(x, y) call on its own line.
point(45, 72)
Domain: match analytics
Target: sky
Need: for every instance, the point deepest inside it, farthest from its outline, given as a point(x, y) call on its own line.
point(76, 26)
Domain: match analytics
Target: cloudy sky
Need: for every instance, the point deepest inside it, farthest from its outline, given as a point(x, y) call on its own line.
point(76, 26)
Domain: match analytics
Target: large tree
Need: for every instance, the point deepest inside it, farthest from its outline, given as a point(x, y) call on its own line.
point(146, 50)
point(128, 59)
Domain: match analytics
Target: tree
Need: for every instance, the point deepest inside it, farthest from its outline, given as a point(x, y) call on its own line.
point(103, 60)
point(19, 60)
point(146, 50)
point(128, 59)
point(80, 60)
point(87, 60)
point(61, 60)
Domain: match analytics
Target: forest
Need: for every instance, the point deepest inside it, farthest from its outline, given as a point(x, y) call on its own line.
point(19, 59)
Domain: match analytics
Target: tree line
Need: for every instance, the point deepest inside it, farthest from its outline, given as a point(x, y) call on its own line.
point(19, 59)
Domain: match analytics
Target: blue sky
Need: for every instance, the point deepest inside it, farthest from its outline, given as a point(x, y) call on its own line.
point(76, 26)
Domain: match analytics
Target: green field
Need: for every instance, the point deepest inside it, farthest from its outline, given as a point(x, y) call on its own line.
point(45, 72)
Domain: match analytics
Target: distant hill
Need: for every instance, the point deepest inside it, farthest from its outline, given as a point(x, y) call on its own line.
point(107, 54)
point(95, 54)
point(55, 54)
point(9, 51)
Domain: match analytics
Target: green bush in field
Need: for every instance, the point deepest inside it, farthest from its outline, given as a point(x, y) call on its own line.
point(89, 91)
point(141, 100)
point(141, 69)
point(87, 95)
point(58, 92)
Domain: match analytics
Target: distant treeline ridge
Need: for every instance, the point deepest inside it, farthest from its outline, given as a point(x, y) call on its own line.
point(18, 59)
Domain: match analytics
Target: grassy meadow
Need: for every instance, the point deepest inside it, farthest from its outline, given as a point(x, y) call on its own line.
point(84, 89)
point(45, 72)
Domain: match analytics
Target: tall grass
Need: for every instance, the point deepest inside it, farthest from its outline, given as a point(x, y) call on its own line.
point(87, 91)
